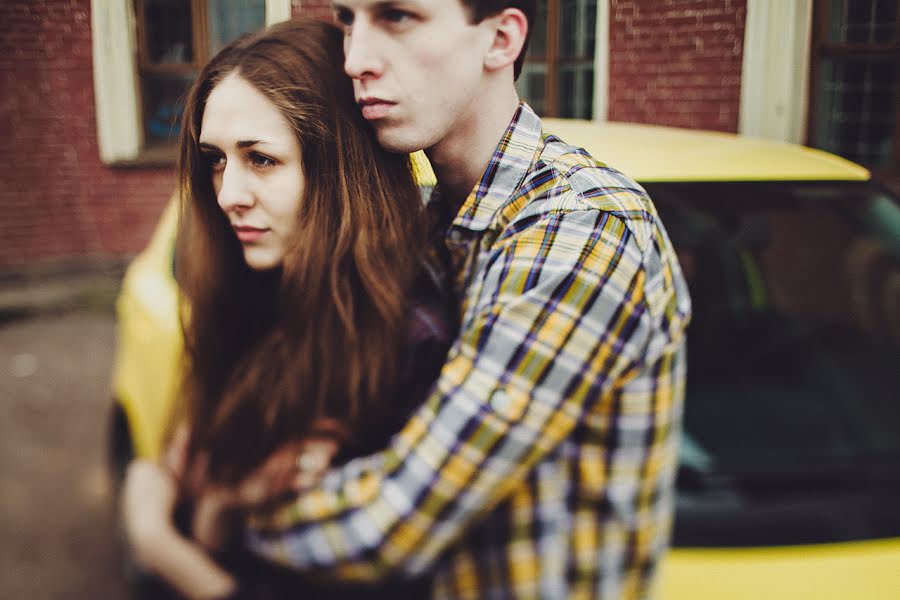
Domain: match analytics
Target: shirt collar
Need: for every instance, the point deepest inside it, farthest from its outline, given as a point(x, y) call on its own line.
point(505, 172)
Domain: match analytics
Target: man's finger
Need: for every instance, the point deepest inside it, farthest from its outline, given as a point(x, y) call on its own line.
point(251, 492)
point(313, 461)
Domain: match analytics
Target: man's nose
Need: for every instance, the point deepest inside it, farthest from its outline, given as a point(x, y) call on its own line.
point(361, 59)
point(234, 192)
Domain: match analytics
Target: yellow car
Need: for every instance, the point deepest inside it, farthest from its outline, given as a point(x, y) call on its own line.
point(790, 463)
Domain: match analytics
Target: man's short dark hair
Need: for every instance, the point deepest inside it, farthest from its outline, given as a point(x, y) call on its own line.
point(481, 9)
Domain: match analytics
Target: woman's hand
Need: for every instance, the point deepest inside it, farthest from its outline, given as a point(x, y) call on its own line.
point(148, 502)
point(217, 518)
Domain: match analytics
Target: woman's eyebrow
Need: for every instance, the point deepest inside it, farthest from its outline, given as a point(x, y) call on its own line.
point(240, 144)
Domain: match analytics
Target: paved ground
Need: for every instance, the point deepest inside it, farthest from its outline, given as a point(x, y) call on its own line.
point(55, 536)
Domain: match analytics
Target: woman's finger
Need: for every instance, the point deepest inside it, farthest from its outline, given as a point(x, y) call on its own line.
point(197, 476)
point(175, 456)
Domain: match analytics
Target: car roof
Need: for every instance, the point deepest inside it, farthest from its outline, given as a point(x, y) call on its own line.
point(650, 153)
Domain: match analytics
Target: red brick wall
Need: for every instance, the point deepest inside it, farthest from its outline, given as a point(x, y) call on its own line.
point(320, 9)
point(676, 63)
point(59, 201)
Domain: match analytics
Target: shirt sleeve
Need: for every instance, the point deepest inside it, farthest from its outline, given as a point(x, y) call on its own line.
point(555, 314)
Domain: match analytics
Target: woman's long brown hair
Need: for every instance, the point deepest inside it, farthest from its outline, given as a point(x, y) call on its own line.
point(269, 352)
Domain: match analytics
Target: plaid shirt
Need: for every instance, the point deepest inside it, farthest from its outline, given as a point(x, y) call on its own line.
point(542, 464)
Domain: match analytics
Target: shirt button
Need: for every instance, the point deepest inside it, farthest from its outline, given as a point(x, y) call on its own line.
point(500, 400)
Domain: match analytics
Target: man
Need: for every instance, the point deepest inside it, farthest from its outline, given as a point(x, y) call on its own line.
point(542, 465)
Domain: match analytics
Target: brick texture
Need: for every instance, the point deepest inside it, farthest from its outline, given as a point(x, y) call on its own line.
point(60, 201)
point(319, 9)
point(58, 198)
point(676, 62)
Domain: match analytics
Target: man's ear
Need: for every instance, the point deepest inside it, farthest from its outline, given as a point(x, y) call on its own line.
point(510, 28)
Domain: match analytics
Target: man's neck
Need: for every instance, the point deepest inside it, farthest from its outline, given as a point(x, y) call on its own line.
point(459, 160)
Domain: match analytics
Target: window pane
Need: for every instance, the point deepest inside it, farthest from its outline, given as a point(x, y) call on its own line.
point(229, 19)
point(577, 28)
point(530, 85)
point(587, 93)
point(575, 92)
point(537, 43)
point(858, 21)
point(856, 107)
point(886, 27)
point(576, 87)
point(568, 26)
point(163, 104)
point(168, 34)
point(862, 21)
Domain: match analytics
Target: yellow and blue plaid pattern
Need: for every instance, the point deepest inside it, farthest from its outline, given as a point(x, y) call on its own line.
point(542, 464)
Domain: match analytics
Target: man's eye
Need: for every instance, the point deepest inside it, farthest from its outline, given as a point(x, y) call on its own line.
point(396, 16)
point(343, 16)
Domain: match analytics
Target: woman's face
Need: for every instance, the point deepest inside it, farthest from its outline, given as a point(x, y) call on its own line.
point(256, 168)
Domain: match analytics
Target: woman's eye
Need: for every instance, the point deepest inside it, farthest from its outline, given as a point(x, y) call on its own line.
point(216, 162)
point(261, 160)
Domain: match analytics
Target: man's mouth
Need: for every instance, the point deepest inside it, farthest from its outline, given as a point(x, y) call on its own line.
point(374, 108)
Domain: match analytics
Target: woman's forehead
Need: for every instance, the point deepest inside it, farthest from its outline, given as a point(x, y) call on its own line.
point(237, 111)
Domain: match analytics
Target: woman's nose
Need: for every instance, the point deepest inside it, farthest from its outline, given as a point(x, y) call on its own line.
point(234, 190)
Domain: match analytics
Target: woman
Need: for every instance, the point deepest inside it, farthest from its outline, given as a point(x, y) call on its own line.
point(303, 258)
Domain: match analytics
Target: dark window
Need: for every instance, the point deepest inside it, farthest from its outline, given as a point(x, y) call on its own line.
point(856, 81)
point(558, 77)
point(791, 412)
point(175, 39)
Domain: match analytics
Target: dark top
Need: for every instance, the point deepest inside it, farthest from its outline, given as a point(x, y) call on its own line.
point(431, 330)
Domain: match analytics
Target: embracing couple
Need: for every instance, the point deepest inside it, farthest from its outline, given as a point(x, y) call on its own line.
point(477, 396)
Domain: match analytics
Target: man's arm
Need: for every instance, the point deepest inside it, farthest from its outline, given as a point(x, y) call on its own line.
point(554, 318)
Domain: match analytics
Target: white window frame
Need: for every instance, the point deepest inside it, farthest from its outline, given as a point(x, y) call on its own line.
point(601, 64)
point(120, 134)
point(775, 69)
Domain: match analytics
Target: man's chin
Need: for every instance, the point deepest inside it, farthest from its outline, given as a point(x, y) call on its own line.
point(396, 140)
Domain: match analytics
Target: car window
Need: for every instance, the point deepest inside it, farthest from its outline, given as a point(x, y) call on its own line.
point(794, 358)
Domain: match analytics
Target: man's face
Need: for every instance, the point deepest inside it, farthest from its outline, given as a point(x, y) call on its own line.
point(417, 67)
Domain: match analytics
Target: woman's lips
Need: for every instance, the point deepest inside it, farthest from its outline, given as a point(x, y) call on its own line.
point(248, 235)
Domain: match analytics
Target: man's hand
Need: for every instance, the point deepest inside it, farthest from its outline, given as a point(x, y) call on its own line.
point(293, 467)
